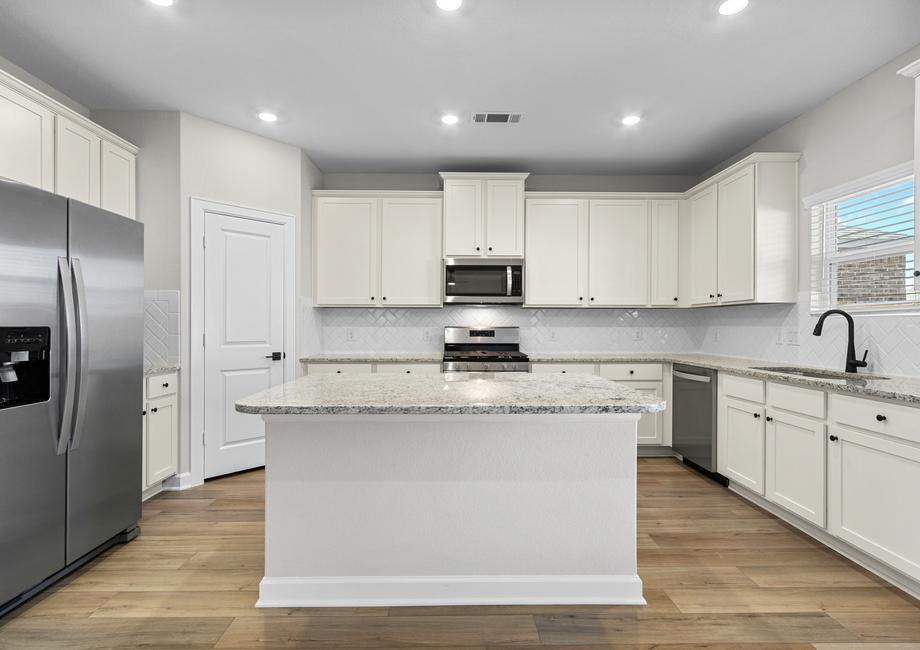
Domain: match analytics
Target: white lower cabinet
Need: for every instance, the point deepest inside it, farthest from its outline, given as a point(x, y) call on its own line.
point(742, 453)
point(650, 428)
point(408, 368)
point(160, 431)
point(564, 368)
point(340, 369)
point(795, 464)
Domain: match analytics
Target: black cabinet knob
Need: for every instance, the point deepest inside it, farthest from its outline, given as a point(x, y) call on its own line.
point(408, 372)
point(490, 249)
point(675, 299)
point(154, 410)
point(834, 438)
point(143, 412)
point(718, 295)
point(757, 416)
point(384, 297)
point(477, 248)
point(769, 419)
point(712, 295)
point(372, 297)
point(581, 297)
point(881, 418)
point(632, 372)
point(166, 385)
point(338, 372)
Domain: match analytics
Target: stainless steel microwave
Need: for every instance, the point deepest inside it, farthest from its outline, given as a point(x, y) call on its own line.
point(483, 281)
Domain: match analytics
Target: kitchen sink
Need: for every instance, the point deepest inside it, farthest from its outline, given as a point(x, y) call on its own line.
point(817, 374)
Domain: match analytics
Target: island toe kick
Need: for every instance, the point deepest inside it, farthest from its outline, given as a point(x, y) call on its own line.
point(390, 510)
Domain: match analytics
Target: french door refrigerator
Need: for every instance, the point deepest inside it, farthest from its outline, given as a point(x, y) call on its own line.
point(71, 368)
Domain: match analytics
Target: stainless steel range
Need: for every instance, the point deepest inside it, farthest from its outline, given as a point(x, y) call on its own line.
point(483, 349)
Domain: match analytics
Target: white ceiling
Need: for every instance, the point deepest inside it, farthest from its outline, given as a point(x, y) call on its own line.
point(361, 84)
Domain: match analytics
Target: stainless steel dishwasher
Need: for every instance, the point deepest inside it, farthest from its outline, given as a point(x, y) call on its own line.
point(694, 415)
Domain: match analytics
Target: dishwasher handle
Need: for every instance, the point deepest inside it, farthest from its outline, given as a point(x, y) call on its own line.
point(703, 379)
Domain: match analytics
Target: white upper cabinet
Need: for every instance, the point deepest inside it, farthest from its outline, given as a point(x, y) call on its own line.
point(483, 215)
point(377, 251)
point(618, 266)
point(119, 172)
point(47, 145)
point(736, 237)
point(556, 252)
point(665, 254)
point(743, 233)
point(463, 210)
point(26, 140)
point(410, 258)
point(504, 222)
point(345, 249)
point(703, 243)
point(77, 167)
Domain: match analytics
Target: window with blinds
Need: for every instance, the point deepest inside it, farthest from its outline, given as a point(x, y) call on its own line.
point(862, 247)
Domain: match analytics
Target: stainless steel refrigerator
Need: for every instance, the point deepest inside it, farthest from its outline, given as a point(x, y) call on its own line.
point(71, 368)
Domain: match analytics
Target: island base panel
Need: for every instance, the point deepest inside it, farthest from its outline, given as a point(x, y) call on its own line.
point(450, 510)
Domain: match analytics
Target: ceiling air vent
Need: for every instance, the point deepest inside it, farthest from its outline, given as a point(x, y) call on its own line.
point(496, 117)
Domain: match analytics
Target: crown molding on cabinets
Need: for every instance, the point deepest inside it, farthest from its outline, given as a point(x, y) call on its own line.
point(11, 82)
point(911, 69)
point(494, 176)
point(758, 157)
point(605, 196)
point(377, 194)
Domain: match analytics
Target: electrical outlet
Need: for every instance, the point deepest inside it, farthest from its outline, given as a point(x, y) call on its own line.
point(552, 335)
point(349, 334)
point(779, 336)
point(637, 334)
point(715, 334)
point(791, 336)
point(427, 336)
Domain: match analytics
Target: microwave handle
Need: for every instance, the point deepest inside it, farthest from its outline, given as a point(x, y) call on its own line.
point(509, 280)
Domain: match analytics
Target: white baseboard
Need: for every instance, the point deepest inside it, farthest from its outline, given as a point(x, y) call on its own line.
point(396, 591)
point(179, 482)
point(882, 570)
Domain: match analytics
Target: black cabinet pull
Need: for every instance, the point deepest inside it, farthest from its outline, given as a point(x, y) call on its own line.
point(834, 438)
point(881, 418)
point(338, 372)
point(408, 372)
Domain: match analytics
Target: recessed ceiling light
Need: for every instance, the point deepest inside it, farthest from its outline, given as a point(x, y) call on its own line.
point(732, 7)
point(631, 120)
point(450, 119)
point(450, 5)
point(268, 117)
point(163, 3)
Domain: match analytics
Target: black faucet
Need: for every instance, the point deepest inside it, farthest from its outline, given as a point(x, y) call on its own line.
point(852, 362)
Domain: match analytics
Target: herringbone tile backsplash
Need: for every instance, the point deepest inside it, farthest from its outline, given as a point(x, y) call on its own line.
point(161, 327)
point(769, 332)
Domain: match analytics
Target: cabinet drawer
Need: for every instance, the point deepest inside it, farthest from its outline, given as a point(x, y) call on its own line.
point(795, 399)
point(881, 417)
point(743, 388)
point(339, 369)
point(632, 371)
point(408, 368)
point(565, 368)
point(160, 385)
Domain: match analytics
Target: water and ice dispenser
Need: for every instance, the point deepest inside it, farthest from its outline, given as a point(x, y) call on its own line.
point(25, 365)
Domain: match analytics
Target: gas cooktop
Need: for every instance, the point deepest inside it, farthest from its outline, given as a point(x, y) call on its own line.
point(489, 349)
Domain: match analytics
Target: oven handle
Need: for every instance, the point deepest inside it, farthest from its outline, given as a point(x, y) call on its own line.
point(509, 280)
point(703, 379)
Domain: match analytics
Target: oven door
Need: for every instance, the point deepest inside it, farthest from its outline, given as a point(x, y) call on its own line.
point(487, 281)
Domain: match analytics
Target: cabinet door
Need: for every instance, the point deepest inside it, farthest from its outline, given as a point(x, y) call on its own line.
point(665, 255)
point(345, 268)
point(618, 253)
point(162, 439)
point(410, 252)
point(736, 237)
point(119, 169)
point(339, 369)
point(872, 497)
point(26, 140)
point(504, 222)
point(556, 259)
point(744, 443)
point(650, 423)
point(795, 465)
point(77, 153)
point(462, 217)
point(703, 244)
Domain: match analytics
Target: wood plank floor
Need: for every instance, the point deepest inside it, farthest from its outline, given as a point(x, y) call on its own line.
point(719, 573)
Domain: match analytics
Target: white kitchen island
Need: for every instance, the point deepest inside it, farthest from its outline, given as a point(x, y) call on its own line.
point(506, 488)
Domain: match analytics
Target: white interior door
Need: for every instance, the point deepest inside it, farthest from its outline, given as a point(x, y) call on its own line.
point(244, 325)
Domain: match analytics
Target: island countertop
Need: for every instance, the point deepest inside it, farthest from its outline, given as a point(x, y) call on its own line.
point(449, 394)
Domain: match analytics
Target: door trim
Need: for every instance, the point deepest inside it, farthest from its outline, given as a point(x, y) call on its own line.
point(197, 211)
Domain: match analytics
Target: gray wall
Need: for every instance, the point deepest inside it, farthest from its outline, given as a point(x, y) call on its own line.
point(157, 135)
point(536, 182)
point(11, 68)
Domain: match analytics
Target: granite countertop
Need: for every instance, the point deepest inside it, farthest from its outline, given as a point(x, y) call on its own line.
point(901, 389)
point(165, 369)
point(379, 357)
point(450, 394)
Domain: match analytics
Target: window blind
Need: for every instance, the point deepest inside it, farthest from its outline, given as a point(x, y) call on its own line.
point(862, 245)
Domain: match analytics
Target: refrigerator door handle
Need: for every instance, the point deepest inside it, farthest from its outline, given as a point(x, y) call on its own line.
point(70, 369)
point(80, 413)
